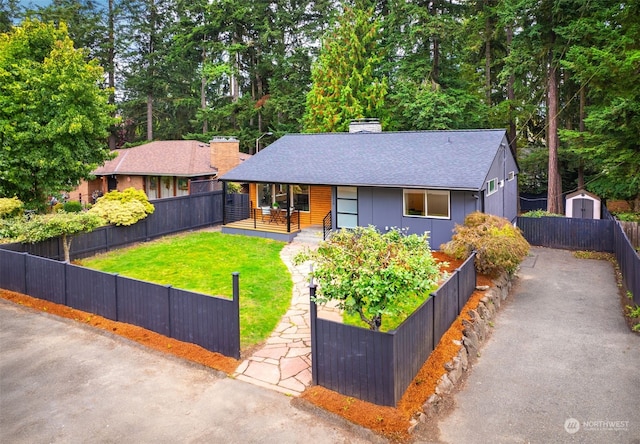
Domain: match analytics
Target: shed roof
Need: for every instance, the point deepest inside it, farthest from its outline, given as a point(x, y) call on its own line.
point(182, 158)
point(435, 159)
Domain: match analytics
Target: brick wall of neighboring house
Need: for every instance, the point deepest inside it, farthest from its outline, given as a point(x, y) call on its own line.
point(125, 182)
point(224, 154)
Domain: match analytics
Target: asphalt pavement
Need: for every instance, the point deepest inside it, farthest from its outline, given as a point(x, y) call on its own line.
point(63, 382)
point(561, 366)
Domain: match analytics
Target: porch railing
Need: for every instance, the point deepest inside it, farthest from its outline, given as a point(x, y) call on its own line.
point(326, 225)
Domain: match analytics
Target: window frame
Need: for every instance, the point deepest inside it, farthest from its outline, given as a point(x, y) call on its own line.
point(425, 196)
point(495, 186)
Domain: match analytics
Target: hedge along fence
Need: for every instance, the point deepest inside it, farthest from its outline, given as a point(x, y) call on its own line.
point(379, 366)
point(606, 235)
point(171, 215)
point(208, 321)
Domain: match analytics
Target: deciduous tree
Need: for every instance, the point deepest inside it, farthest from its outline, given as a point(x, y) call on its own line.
point(54, 115)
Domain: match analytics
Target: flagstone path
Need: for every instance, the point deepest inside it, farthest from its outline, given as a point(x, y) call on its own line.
point(283, 363)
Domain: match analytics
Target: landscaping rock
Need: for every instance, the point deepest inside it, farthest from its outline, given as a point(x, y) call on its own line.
point(456, 372)
point(431, 407)
point(464, 359)
point(445, 386)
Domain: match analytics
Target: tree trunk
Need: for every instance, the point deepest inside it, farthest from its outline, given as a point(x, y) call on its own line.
point(487, 56)
point(111, 67)
point(554, 188)
point(149, 116)
point(583, 102)
point(511, 97)
point(66, 246)
point(203, 91)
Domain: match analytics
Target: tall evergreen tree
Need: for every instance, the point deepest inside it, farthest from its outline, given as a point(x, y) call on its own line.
point(346, 80)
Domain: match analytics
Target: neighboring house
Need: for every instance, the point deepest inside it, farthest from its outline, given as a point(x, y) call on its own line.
point(420, 181)
point(163, 168)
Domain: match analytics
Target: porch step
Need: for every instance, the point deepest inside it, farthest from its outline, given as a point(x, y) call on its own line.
point(309, 235)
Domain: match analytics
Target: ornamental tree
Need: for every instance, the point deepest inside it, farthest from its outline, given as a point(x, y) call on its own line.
point(54, 114)
point(370, 273)
point(42, 227)
point(123, 207)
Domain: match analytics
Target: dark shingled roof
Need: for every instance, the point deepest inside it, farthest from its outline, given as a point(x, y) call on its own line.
point(431, 159)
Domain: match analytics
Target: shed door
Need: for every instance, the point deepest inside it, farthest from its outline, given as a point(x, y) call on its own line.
point(583, 208)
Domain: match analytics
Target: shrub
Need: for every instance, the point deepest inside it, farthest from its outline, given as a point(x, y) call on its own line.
point(628, 217)
point(499, 246)
point(123, 208)
point(541, 213)
point(72, 206)
point(371, 274)
point(10, 207)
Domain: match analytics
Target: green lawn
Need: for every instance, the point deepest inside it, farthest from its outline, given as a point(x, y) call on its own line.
point(203, 262)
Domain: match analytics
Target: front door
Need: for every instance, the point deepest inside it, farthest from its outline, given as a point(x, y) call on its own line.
point(347, 207)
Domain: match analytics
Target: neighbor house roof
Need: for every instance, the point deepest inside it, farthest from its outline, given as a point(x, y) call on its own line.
point(183, 158)
point(434, 159)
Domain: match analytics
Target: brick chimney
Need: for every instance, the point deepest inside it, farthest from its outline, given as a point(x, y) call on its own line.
point(365, 126)
point(225, 154)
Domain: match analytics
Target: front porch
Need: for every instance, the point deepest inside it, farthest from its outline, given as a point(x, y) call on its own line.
point(256, 226)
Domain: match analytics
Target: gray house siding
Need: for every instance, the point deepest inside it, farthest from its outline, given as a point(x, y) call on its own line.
point(504, 201)
point(382, 207)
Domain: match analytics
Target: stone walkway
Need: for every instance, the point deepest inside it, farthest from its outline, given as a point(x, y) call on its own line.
point(284, 362)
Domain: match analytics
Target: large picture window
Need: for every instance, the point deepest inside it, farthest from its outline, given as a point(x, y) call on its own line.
point(427, 203)
point(264, 194)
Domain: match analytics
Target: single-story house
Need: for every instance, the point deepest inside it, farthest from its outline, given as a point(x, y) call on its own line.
point(163, 168)
point(419, 180)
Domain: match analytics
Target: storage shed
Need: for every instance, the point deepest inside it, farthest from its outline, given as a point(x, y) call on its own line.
point(583, 205)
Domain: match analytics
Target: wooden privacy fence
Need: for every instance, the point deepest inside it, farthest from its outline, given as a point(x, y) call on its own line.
point(171, 215)
point(605, 235)
point(208, 321)
point(379, 366)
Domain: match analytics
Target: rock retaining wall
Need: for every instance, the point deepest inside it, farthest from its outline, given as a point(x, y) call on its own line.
point(475, 334)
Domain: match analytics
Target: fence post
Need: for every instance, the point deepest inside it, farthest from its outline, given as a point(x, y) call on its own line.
point(313, 317)
point(236, 300)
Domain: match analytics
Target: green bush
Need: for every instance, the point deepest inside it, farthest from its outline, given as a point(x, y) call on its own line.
point(499, 246)
point(371, 274)
point(10, 229)
point(10, 207)
point(628, 217)
point(541, 213)
point(72, 206)
point(123, 208)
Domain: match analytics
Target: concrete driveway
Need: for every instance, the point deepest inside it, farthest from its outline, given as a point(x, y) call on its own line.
point(62, 382)
point(561, 366)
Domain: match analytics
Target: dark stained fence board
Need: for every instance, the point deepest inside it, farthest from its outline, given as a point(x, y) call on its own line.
point(466, 280)
point(144, 304)
point(628, 261)
point(205, 320)
point(118, 236)
point(92, 291)
point(355, 361)
point(13, 271)
point(413, 343)
point(445, 307)
point(45, 279)
point(88, 244)
point(568, 233)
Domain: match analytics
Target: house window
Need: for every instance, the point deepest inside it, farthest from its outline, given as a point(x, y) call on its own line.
point(427, 203)
point(264, 194)
point(511, 175)
point(347, 207)
point(492, 186)
point(300, 197)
